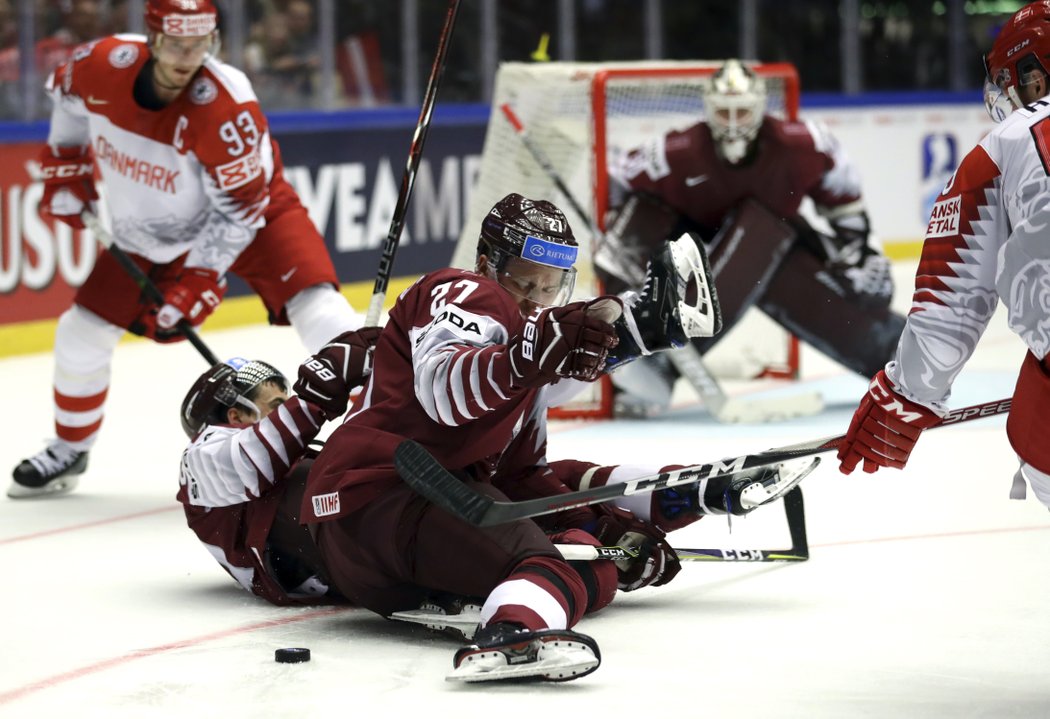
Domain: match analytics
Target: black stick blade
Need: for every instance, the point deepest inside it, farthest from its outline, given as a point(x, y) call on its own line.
point(427, 477)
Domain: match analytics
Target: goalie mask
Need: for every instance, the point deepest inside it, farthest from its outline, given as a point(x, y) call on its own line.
point(735, 104)
point(530, 250)
point(233, 383)
point(1018, 57)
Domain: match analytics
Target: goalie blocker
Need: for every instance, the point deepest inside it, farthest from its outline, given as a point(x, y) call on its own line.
point(758, 260)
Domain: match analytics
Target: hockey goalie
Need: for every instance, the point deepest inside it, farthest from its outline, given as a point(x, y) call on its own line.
point(738, 179)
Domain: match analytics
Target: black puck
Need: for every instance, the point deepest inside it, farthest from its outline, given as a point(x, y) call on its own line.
point(292, 655)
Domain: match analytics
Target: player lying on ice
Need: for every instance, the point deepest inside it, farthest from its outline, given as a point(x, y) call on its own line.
point(466, 366)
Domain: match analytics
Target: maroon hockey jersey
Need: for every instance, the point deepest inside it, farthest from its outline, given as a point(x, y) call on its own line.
point(794, 160)
point(441, 377)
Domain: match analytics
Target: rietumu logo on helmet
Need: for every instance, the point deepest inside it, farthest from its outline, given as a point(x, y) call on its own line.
point(528, 247)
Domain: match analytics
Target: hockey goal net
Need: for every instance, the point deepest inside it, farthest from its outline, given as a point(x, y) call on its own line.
point(582, 117)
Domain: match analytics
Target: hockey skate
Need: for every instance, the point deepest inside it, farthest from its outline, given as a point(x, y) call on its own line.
point(454, 616)
point(677, 302)
point(54, 470)
point(740, 494)
point(505, 652)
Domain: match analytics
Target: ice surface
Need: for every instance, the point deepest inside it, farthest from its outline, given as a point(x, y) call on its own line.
point(926, 594)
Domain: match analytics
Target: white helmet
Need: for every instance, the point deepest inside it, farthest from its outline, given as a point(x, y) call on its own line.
point(735, 103)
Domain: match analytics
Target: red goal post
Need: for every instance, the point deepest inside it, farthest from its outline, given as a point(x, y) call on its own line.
point(583, 115)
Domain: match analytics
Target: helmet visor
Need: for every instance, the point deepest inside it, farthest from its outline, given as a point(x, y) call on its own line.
point(541, 285)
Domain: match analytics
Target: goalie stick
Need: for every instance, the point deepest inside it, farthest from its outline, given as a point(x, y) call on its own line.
point(687, 360)
point(408, 179)
point(426, 476)
point(794, 509)
point(92, 222)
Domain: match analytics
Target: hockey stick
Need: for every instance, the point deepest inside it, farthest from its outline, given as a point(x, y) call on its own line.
point(687, 360)
point(408, 179)
point(794, 509)
point(144, 282)
point(426, 476)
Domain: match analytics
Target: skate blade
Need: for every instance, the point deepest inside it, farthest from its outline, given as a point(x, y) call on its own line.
point(790, 476)
point(464, 624)
point(56, 487)
point(570, 660)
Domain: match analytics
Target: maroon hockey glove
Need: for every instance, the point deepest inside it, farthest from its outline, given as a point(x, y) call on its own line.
point(568, 341)
point(884, 429)
point(196, 293)
point(657, 563)
point(69, 184)
point(327, 377)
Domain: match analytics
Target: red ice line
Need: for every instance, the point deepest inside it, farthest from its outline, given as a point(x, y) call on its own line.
point(14, 694)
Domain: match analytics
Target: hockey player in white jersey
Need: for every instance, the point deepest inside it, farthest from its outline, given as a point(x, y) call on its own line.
point(986, 240)
point(194, 189)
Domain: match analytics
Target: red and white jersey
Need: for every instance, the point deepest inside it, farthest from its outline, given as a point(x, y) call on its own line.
point(794, 160)
point(987, 239)
point(192, 176)
point(441, 376)
point(230, 487)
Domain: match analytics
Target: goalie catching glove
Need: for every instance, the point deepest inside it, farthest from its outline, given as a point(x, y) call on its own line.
point(677, 303)
point(326, 378)
point(884, 429)
point(569, 341)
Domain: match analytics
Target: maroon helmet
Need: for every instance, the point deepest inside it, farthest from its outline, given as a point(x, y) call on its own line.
point(1022, 46)
point(537, 232)
point(182, 18)
point(232, 383)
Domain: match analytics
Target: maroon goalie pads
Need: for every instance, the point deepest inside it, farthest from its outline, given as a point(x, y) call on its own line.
point(745, 254)
point(637, 229)
point(862, 338)
point(1026, 423)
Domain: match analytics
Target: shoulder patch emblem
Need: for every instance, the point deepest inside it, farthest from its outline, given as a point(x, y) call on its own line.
point(84, 50)
point(123, 56)
point(203, 91)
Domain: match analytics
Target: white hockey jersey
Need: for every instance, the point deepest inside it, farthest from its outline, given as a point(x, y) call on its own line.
point(987, 239)
point(230, 485)
point(192, 176)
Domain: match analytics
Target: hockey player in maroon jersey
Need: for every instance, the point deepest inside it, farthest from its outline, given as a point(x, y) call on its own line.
point(738, 179)
point(986, 240)
point(467, 366)
point(194, 189)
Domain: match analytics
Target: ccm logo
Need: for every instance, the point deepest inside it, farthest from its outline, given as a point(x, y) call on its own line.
point(50, 173)
point(891, 404)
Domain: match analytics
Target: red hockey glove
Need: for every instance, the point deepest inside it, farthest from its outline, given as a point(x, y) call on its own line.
point(69, 184)
point(568, 341)
point(327, 377)
point(657, 563)
point(884, 429)
point(195, 295)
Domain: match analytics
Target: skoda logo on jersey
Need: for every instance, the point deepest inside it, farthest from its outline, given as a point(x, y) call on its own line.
point(549, 253)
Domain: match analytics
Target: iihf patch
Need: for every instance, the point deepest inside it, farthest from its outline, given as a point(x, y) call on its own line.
point(203, 91)
point(123, 56)
point(326, 504)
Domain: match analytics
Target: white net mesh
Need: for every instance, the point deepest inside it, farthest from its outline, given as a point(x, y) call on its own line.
point(582, 117)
